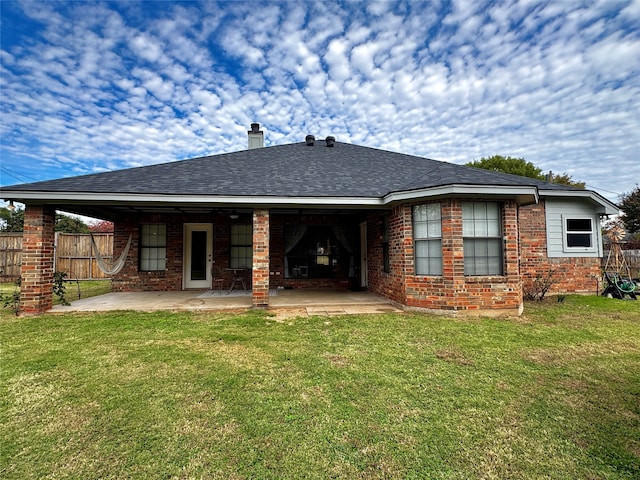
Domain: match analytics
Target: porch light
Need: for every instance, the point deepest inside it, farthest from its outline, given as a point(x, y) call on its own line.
point(11, 206)
point(234, 215)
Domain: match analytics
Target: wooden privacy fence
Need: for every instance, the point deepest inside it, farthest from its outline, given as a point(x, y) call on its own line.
point(73, 255)
point(10, 255)
point(633, 260)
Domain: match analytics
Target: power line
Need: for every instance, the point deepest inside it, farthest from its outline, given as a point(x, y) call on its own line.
point(16, 175)
point(608, 191)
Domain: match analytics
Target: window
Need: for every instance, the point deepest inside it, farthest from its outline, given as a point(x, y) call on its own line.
point(241, 251)
point(427, 234)
point(482, 238)
point(153, 247)
point(578, 233)
point(386, 265)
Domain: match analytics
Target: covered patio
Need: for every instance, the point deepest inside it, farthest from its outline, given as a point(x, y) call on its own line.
point(310, 301)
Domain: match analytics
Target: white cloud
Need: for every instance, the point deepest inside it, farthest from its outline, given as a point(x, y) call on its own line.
point(146, 47)
point(337, 61)
point(631, 11)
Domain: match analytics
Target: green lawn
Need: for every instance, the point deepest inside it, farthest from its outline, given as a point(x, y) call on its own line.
point(552, 394)
point(73, 289)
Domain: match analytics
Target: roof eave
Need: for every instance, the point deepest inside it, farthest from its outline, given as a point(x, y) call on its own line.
point(605, 206)
point(524, 195)
point(56, 198)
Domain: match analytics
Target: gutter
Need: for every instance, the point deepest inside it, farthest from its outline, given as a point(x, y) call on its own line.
point(524, 195)
point(608, 208)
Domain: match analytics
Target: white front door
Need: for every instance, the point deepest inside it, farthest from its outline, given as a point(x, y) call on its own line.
point(198, 251)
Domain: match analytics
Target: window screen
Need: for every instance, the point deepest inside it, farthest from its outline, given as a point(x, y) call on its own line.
point(427, 234)
point(579, 232)
point(153, 247)
point(482, 238)
point(241, 250)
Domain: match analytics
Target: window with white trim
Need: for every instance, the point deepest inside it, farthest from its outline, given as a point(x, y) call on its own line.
point(578, 233)
point(153, 247)
point(427, 236)
point(482, 238)
point(241, 248)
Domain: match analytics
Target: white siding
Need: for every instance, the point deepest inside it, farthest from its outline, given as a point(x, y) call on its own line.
point(555, 209)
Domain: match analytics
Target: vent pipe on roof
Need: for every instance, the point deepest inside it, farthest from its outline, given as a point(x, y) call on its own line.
point(310, 140)
point(256, 136)
point(330, 141)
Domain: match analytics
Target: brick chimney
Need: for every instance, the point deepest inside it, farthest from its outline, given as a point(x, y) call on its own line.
point(256, 137)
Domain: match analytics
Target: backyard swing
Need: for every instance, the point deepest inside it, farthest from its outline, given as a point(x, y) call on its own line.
point(114, 267)
point(616, 269)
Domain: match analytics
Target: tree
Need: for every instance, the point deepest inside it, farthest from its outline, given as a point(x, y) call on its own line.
point(101, 226)
point(515, 166)
point(630, 207)
point(67, 224)
point(519, 166)
point(565, 179)
point(12, 220)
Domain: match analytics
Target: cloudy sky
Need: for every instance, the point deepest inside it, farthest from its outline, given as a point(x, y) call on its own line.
point(89, 87)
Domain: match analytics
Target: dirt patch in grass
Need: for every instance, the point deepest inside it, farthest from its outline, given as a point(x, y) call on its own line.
point(284, 314)
point(571, 353)
point(453, 355)
point(337, 360)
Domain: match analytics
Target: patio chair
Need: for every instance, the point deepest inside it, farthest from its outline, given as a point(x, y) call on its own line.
point(217, 280)
point(238, 279)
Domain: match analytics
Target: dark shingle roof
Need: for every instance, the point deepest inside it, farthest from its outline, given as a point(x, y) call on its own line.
point(292, 170)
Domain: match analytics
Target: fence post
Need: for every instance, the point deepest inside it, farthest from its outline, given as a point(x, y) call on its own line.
point(55, 252)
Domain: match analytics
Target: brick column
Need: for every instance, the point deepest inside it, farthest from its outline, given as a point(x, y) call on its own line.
point(511, 241)
point(260, 271)
point(36, 291)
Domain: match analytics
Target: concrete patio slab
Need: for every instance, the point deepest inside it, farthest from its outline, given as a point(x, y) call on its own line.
point(305, 301)
point(153, 301)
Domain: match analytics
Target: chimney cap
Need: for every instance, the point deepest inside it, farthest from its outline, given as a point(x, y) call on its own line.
point(310, 140)
point(330, 141)
point(255, 136)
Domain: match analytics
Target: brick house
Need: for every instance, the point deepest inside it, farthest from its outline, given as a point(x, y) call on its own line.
point(425, 234)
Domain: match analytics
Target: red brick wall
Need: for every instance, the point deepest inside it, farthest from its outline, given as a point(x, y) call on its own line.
point(388, 284)
point(36, 291)
point(260, 270)
point(452, 290)
point(568, 274)
point(130, 279)
point(524, 253)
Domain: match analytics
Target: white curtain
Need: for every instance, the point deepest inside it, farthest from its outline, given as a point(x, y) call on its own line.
point(341, 233)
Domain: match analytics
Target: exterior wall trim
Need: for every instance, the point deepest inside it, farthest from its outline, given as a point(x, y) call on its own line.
point(132, 199)
point(524, 195)
point(607, 207)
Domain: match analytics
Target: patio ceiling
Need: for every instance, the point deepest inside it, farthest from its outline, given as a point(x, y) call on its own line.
point(122, 211)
